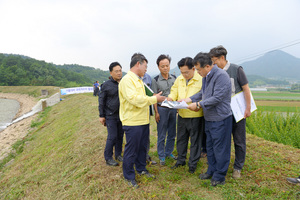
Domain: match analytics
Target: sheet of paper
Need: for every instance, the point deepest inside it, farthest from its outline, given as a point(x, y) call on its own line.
point(174, 104)
point(238, 106)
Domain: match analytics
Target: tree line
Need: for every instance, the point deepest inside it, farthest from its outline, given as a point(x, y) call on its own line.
point(18, 70)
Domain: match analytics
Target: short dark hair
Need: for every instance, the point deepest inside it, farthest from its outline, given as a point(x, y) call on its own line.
point(203, 59)
point(137, 57)
point(162, 57)
point(112, 65)
point(218, 52)
point(187, 61)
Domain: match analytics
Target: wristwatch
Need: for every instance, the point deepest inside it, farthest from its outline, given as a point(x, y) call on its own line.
point(198, 105)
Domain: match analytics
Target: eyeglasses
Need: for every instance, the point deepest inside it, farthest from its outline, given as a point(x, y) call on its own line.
point(214, 59)
point(186, 72)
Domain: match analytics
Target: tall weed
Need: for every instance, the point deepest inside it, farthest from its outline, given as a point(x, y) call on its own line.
point(275, 126)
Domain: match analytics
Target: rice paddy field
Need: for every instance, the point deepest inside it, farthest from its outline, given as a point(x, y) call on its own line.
point(281, 96)
point(277, 118)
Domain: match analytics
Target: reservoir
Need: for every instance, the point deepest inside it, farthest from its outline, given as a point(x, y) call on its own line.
point(8, 110)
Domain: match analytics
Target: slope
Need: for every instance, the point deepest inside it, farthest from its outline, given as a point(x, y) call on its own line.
point(63, 159)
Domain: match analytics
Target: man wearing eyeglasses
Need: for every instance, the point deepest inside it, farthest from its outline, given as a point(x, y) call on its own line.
point(188, 84)
point(214, 98)
point(239, 83)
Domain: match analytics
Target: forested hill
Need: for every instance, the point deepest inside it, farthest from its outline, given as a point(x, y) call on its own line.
point(90, 72)
point(17, 70)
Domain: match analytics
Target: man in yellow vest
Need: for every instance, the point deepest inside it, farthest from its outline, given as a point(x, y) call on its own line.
point(190, 123)
point(134, 114)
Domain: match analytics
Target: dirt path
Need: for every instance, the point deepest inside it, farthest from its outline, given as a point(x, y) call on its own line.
point(17, 130)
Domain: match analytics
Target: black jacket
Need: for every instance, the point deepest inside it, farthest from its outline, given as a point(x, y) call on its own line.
point(109, 100)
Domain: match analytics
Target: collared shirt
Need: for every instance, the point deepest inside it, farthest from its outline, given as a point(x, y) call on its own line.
point(238, 78)
point(226, 66)
point(181, 91)
point(134, 103)
point(160, 84)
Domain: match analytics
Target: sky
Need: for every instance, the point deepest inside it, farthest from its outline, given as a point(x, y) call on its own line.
point(97, 32)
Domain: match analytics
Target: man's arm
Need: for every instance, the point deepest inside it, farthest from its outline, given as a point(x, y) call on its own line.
point(220, 90)
point(157, 117)
point(247, 95)
point(102, 102)
point(134, 95)
point(243, 81)
point(196, 97)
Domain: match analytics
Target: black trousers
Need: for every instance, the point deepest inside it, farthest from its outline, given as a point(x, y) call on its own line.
point(114, 139)
point(239, 139)
point(189, 128)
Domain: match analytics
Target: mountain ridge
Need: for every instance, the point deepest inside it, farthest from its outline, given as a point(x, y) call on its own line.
point(275, 64)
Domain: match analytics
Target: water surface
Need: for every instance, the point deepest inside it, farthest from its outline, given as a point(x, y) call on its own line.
point(8, 110)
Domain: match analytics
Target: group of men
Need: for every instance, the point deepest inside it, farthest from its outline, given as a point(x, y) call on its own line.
point(206, 83)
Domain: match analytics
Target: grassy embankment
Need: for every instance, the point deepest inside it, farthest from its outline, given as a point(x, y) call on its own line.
point(34, 91)
point(63, 159)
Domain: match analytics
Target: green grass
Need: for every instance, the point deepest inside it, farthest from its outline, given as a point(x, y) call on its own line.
point(281, 94)
point(276, 126)
point(287, 96)
point(278, 108)
point(63, 159)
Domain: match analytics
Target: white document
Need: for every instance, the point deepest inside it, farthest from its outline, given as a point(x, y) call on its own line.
point(174, 104)
point(238, 106)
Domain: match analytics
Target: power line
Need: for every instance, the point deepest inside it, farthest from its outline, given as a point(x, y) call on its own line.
point(289, 44)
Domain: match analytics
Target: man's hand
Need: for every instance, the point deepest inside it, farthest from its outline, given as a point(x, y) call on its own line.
point(169, 99)
point(247, 113)
point(193, 107)
point(247, 95)
point(187, 100)
point(157, 117)
point(159, 97)
point(103, 121)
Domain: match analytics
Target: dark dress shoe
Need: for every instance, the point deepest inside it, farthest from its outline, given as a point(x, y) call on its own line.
point(192, 170)
point(119, 158)
point(214, 183)
point(177, 165)
point(112, 162)
point(294, 180)
point(204, 176)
